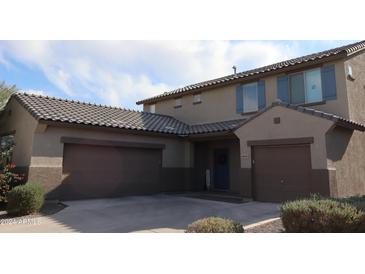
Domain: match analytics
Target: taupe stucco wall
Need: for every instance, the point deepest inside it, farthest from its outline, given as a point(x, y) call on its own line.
point(346, 148)
point(346, 156)
point(293, 124)
point(219, 104)
point(48, 150)
point(25, 125)
point(356, 88)
point(47, 155)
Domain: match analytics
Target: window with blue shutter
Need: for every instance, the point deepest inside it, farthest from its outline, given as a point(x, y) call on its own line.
point(310, 86)
point(250, 97)
point(261, 94)
point(329, 82)
point(239, 99)
point(283, 88)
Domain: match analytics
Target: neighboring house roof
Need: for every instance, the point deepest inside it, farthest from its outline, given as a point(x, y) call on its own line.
point(312, 58)
point(67, 111)
point(340, 121)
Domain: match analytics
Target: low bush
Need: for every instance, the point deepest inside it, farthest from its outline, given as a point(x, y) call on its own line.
point(324, 215)
point(356, 201)
point(8, 180)
point(215, 225)
point(25, 199)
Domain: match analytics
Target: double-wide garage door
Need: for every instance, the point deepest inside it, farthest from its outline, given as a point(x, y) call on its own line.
point(281, 172)
point(91, 171)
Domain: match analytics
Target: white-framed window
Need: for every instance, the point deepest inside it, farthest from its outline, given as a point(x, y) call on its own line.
point(178, 102)
point(250, 98)
point(197, 99)
point(306, 87)
point(153, 108)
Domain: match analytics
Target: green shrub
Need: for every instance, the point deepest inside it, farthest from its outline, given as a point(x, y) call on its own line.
point(215, 225)
point(356, 201)
point(323, 215)
point(8, 180)
point(25, 199)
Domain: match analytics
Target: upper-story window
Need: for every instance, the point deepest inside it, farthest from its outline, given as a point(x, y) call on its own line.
point(305, 87)
point(197, 99)
point(178, 103)
point(311, 86)
point(250, 98)
point(153, 108)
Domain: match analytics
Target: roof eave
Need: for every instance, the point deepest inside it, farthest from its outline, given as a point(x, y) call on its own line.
point(337, 121)
point(349, 125)
point(30, 111)
point(108, 128)
point(209, 135)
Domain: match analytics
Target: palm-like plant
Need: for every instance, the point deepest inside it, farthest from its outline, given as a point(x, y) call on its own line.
point(5, 93)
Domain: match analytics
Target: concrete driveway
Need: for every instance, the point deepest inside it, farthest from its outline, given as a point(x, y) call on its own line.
point(158, 213)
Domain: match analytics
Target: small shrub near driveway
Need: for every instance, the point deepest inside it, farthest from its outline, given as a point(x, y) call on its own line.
point(215, 225)
point(356, 201)
point(8, 180)
point(323, 215)
point(25, 199)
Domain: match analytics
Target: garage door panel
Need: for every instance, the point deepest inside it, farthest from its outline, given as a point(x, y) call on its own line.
point(99, 171)
point(281, 172)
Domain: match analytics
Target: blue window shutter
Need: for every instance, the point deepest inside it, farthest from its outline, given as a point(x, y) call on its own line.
point(239, 99)
point(328, 82)
point(283, 88)
point(261, 94)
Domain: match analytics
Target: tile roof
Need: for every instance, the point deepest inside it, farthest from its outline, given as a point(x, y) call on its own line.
point(68, 111)
point(329, 116)
point(320, 56)
point(215, 127)
point(340, 121)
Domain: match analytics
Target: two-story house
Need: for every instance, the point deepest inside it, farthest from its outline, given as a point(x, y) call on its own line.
point(273, 133)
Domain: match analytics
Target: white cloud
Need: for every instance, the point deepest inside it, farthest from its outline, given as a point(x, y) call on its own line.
point(122, 72)
point(33, 91)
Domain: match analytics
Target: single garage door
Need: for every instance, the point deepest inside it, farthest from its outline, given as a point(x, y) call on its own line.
point(282, 172)
point(91, 171)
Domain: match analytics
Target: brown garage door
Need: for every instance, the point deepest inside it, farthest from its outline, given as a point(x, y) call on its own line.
point(100, 171)
point(281, 172)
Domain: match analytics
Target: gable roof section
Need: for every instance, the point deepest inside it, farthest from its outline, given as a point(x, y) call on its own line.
point(340, 121)
point(322, 56)
point(68, 111)
point(44, 108)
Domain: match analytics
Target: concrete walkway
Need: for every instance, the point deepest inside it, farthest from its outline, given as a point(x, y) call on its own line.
point(158, 213)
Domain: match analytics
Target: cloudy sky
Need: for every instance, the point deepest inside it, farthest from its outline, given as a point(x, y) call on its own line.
point(119, 73)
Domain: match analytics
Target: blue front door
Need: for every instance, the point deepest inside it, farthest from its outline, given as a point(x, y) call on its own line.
point(221, 169)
